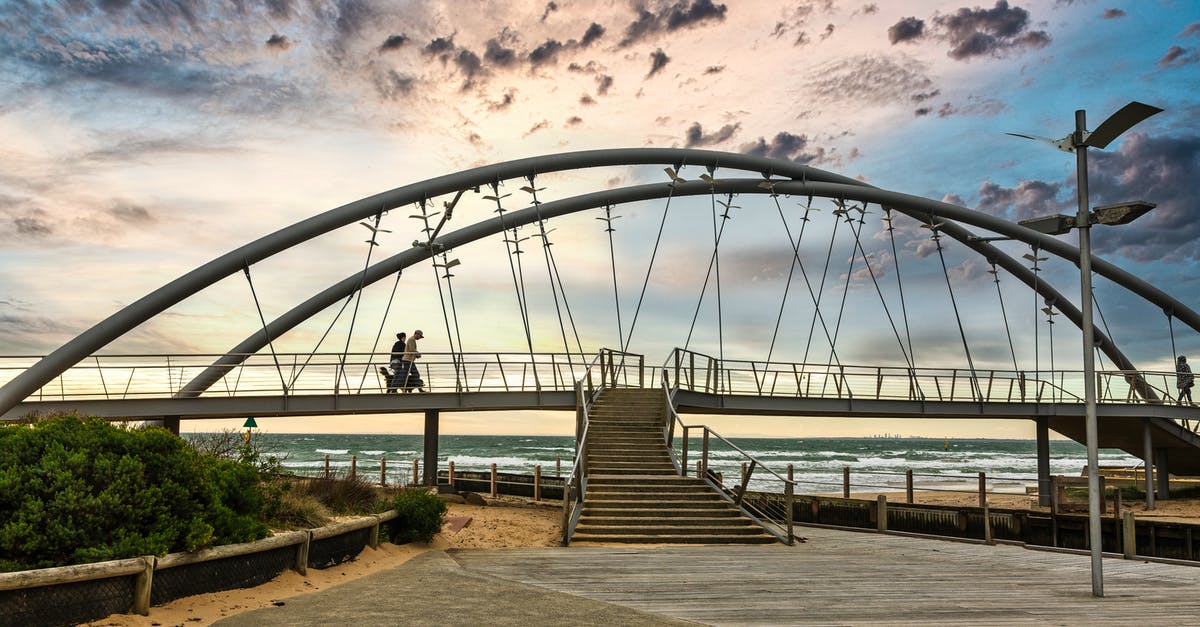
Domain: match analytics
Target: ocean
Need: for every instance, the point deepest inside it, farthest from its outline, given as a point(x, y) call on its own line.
point(875, 463)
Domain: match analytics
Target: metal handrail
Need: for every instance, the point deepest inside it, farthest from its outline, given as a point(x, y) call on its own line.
point(760, 513)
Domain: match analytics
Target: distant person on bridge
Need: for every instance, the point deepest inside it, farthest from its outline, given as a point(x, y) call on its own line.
point(396, 363)
point(412, 377)
point(1184, 379)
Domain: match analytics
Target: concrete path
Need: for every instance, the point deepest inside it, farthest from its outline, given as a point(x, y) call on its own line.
point(837, 577)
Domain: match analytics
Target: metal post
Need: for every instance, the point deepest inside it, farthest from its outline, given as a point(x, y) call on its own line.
point(789, 501)
point(1043, 460)
point(493, 486)
point(1083, 222)
point(908, 485)
point(450, 472)
point(416, 472)
point(683, 464)
point(327, 465)
point(845, 482)
point(431, 447)
point(383, 471)
point(354, 467)
point(704, 456)
point(983, 489)
point(537, 483)
point(1148, 462)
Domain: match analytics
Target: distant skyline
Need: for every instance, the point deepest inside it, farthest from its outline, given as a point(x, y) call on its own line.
point(143, 139)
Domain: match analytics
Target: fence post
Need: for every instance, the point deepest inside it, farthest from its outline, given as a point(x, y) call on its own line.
point(327, 465)
point(743, 477)
point(450, 473)
point(353, 467)
point(373, 537)
point(983, 489)
point(704, 457)
point(845, 482)
point(881, 513)
point(383, 471)
point(789, 501)
point(1129, 534)
point(494, 493)
point(301, 563)
point(537, 483)
point(908, 485)
point(416, 471)
point(987, 524)
point(142, 586)
point(558, 467)
point(683, 465)
point(699, 470)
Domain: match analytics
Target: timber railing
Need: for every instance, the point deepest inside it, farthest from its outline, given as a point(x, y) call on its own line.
point(763, 512)
point(69, 595)
point(697, 372)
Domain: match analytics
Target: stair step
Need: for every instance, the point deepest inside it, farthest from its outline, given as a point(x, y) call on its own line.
point(671, 539)
point(627, 504)
point(671, 530)
point(673, 513)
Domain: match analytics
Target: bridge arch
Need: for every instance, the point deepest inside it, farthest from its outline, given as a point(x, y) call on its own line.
point(801, 180)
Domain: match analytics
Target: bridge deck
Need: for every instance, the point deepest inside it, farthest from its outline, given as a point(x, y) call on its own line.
point(837, 577)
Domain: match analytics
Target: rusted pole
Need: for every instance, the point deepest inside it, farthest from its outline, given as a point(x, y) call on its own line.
point(845, 482)
point(983, 489)
point(908, 485)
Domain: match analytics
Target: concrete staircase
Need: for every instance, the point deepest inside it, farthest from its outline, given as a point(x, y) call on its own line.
point(635, 495)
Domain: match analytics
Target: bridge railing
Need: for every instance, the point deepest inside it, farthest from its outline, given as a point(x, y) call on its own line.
point(762, 511)
point(703, 373)
point(164, 376)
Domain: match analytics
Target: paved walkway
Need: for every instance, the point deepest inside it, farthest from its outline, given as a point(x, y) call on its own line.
point(837, 577)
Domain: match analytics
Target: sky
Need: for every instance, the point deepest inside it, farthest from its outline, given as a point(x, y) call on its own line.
point(142, 139)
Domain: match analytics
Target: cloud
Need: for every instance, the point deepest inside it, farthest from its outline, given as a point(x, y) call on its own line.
point(545, 53)
point(510, 96)
point(989, 32)
point(1192, 29)
point(1112, 14)
point(279, 42)
point(827, 32)
point(1160, 170)
point(593, 32)
point(714, 69)
point(907, 29)
point(439, 46)
point(393, 42)
point(603, 83)
point(658, 60)
point(391, 85)
point(574, 120)
point(132, 214)
point(695, 135)
point(1026, 200)
point(871, 79)
point(1176, 56)
point(550, 8)
point(784, 146)
point(671, 17)
point(544, 124)
point(498, 54)
point(33, 224)
point(971, 269)
point(975, 106)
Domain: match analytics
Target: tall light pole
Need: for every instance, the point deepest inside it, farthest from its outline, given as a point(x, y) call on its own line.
point(1078, 142)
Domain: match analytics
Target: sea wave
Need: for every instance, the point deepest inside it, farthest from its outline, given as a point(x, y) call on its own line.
point(333, 451)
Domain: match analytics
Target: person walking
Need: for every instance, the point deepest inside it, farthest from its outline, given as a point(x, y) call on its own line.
point(396, 363)
point(1184, 379)
point(412, 377)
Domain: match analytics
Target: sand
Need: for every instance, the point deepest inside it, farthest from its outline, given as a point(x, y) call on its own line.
point(503, 523)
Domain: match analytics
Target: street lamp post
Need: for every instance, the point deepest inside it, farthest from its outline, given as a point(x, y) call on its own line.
point(1078, 142)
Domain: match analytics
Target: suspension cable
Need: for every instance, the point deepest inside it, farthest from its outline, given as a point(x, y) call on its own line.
point(1003, 314)
point(712, 259)
point(328, 330)
point(612, 255)
point(891, 230)
point(532, 189)
point(430, 231)
point(954, 303)
point(513, 247)
point(382, 321)
point(717, 263)
point(263, 320)
point(875, 281)
point(371, 244)
point(653, 254)
point(819, 297)
point(837, 327)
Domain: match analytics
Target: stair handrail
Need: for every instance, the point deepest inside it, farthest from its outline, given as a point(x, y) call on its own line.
point(586, 392)
point(736, 497)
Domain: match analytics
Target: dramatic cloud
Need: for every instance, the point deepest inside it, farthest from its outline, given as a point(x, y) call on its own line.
point(974, 106)
point(279, 42)
point(907, 29)
point(498, 54)
point(132, 214)
point(550, 8)
point(440, 46)
point(469, 64)
point(1026, 200)
point(695, 135)
point(603, 83)
point(504, 102)
point(989, 32)
point(545, 53)
point(827, 32)
point(1112, 14)
point(658, 61)
point(574, 120)
point(784, 146)
point(391, 85)
point(671, 17)
point(593, 32)
point(1162, 171)
point(393, 42)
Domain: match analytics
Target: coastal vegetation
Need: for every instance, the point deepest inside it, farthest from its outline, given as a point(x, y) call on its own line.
point(419, 516)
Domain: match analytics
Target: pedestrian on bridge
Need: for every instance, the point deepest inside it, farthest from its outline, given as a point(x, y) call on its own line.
point(412, 377)
point(1184, 379)
point(397, 363)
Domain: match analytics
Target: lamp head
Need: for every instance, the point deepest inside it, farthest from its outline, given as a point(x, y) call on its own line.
point(1056, 224)
point(1121, 213)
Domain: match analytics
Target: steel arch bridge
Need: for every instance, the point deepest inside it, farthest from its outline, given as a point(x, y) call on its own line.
point(1137, 409)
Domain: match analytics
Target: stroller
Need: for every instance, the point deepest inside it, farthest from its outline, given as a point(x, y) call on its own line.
point(402, 376)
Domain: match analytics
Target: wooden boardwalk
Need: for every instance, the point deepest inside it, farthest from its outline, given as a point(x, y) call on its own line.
point(844, 578)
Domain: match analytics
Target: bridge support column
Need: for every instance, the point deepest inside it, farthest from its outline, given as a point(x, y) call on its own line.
point(171, 423)
point(1148, 462)
point(1043, 461)
point(1164, 478)
point(431, 448)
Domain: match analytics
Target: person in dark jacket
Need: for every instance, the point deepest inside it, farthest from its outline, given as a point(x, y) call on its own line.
point(397, 364)
point(1184, 379)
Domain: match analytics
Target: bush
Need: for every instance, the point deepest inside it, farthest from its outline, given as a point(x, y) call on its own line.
point(420, 516)
point(76, 490)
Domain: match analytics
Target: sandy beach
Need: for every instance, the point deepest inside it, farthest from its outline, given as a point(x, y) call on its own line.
point(504, 522)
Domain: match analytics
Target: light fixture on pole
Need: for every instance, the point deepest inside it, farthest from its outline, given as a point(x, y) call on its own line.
point(1078, 142)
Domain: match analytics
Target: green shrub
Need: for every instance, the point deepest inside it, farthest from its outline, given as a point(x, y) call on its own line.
point(419, 516)
point(76, 490)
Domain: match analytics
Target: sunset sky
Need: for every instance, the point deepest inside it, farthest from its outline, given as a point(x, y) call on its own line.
point(144, 138)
